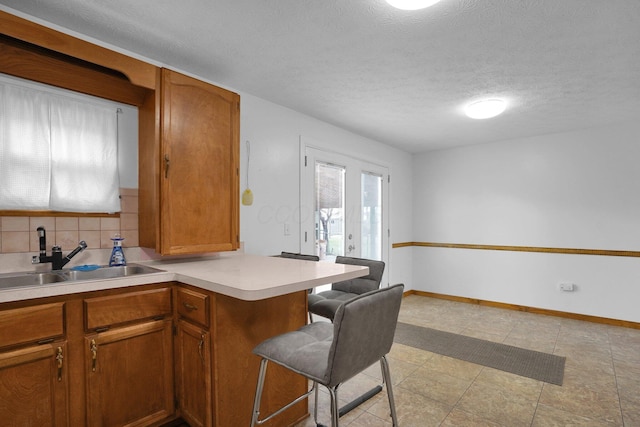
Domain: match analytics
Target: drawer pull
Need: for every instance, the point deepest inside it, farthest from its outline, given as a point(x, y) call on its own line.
point(93, 347)
point(59, 358)
point(189, 307)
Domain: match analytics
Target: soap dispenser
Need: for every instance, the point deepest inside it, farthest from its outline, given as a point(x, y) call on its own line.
point(117, 254)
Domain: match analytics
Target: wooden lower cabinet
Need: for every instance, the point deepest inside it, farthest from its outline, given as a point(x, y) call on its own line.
point(34, 377)
point(216, 370)
point(144, 356)
point(193, 374)
point(237, 327)
point(33, 386)
point(130, 375)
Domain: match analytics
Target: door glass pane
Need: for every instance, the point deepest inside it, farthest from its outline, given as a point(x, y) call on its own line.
point(329, 209)
point(371, 219)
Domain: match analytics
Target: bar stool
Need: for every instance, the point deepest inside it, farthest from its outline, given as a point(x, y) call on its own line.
point(326, 303)
point(331, 353)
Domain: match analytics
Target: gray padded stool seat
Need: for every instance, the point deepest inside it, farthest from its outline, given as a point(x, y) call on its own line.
point(326, 303)
point(331, 353)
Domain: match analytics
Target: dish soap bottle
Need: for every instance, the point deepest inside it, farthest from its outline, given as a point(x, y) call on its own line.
point(117, 255)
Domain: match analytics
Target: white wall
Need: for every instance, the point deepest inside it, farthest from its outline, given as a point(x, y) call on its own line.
point(572, 190)
point(274, 176)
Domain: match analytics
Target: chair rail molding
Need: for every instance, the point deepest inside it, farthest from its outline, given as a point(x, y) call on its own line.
point(571, 251)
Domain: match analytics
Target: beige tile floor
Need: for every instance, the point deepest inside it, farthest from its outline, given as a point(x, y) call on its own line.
point(601, 383)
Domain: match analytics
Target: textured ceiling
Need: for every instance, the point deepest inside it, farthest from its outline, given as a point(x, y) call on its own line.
point(399, 77)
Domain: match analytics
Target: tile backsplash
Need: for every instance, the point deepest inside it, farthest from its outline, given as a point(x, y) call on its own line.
point(18, 233)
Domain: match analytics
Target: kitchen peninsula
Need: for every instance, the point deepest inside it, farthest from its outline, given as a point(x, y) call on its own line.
point(238, 275)
point(143, 350)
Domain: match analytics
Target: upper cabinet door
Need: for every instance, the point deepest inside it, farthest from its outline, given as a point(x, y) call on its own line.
point(199, 156)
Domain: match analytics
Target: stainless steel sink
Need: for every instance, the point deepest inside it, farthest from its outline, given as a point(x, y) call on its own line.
point(17, 280)
point(109, 272)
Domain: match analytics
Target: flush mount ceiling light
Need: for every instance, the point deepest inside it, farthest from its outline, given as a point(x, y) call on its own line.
point(412, 4)
point(486, 108)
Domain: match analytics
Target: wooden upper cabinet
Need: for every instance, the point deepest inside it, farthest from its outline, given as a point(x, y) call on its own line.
point(188, 141)
point(196, 204)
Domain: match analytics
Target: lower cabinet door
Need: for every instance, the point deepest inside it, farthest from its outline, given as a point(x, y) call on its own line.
point(33, 386)
point(130, 375)
point(193, 371)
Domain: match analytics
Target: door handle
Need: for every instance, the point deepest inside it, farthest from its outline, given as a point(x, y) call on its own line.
point(93, 348)
point(59, 359)
point(200, 346)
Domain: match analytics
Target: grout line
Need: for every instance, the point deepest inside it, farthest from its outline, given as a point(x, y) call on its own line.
point(615, 377)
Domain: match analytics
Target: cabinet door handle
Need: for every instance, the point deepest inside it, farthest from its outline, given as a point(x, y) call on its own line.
point(200, 346)
point(166, 166)
point(93, 347)
point(59, 358)
point(189, 307)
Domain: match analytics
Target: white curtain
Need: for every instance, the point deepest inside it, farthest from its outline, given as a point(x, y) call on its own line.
point(84, 157)
point(24, 149)
point(57, 152)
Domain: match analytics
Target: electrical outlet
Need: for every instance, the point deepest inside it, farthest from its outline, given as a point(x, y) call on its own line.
point(567, 287)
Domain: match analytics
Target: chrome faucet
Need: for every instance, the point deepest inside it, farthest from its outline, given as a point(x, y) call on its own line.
point(56, 259)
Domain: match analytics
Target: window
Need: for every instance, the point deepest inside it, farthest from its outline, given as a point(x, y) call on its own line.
point(58, 150)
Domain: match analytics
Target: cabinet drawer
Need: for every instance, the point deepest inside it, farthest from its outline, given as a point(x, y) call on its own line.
point(128, 307)
point(193, 306)
point(31, 324)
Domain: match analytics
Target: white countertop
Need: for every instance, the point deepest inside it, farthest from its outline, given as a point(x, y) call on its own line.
point(238, 275)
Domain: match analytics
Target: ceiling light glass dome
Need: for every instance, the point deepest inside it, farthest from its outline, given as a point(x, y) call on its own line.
point(486, 108)
point(412, 4)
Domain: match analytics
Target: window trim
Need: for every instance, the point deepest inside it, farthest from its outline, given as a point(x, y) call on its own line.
point(59, 214)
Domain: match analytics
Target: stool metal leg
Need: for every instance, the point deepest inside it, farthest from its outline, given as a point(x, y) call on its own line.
point(387, 380)
point(259, 387)
point(333, 392)
point(315, 405)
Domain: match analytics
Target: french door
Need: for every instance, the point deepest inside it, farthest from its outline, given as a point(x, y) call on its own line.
point(344, 201)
